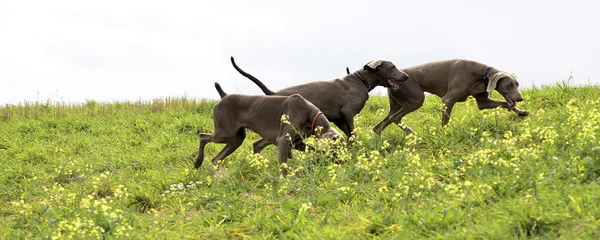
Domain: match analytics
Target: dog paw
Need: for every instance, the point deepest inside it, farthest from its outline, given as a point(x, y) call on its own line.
point(522, 113)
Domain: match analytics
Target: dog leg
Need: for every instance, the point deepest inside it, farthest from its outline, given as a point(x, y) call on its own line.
point(406, 109)
point(397, 119)
point(449, 103)
point(284, 144)
point(343, 126)
point(284, 151)
point(349, 124)
point(411, 102)
point(394, 108)
point(520, 112)
point(233, 144)
point(484, 102)
point(259, 145)
point(378, 128)
point(402, 102)
point(204, 139)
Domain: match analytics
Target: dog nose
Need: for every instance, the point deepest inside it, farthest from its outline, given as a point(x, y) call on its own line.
point(403, 77)
point(519, 99)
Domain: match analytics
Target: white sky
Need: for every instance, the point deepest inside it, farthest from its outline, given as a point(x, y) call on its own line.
point(128, 50)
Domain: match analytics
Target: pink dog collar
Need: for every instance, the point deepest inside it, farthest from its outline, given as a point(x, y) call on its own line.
point(312, 127)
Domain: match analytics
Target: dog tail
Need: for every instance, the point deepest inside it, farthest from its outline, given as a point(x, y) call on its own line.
point(220, 90)
point(347, 70)
point(264, 88)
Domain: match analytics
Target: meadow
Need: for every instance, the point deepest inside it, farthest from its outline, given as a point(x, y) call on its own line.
point(123, 170)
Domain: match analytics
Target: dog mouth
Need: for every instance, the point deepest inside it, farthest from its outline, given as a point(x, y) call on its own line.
point(512, 105)
point(391, 84)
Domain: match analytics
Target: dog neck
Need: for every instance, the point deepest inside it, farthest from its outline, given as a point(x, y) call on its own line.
point(486, 79)
point(312, 125)
point(362, 80)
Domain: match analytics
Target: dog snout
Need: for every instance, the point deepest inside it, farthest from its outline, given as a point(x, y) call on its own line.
point(519, 99)
point(333, 134)
point(403, 76)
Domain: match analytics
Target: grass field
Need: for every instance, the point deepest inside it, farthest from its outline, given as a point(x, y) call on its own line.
point(124, 170)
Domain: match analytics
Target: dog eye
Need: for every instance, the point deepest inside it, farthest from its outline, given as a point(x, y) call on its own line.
point(510, 85)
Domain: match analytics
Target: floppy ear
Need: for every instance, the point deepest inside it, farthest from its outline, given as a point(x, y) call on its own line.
point(494, 80)
point(372, 65)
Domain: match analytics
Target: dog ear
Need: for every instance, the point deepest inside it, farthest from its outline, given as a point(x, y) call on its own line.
point(372, 65)
point(494, 80)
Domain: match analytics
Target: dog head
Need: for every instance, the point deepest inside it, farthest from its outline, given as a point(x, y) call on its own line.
point(333, 135)
point(386, 74)
point(324, 130)
point(507, 85)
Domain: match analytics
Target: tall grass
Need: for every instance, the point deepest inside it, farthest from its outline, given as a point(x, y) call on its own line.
point(51, 109)
point(124, 170)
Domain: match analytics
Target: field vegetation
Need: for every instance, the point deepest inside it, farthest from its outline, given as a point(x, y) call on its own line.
point(124, 170)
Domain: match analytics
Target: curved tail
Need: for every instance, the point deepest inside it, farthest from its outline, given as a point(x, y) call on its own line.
point(252, 78)
point(220, 90)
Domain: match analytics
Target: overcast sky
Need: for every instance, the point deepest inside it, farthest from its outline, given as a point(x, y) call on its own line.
point(128, 50)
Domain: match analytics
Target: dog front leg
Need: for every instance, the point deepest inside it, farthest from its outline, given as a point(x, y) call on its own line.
point(284, 151)
point(382, 124)
point(284, 143)
point(397, 119)
point(449, 104)
point(411, 101)
point(349, 119)
point(484, 102)
point(520, 112)
point(341, 123)
point(351, 127)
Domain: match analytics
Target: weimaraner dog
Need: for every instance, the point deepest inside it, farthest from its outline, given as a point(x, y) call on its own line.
point(263, 114)
point(339, 99)
point(453, 80)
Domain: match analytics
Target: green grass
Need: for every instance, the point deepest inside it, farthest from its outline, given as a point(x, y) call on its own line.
point(124, 170)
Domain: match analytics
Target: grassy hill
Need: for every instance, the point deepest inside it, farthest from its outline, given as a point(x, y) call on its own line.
point(124, 170)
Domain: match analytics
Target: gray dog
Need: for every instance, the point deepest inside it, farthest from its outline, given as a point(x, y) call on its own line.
point(339, 99)
point(453, 80)
point(263, 115)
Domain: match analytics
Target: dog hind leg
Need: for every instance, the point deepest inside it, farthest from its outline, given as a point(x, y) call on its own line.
point(259, 145)
point(204, 139)
point(233, 144)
